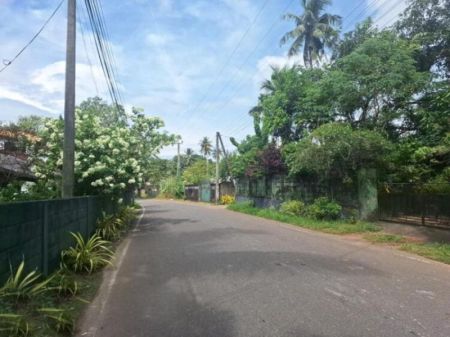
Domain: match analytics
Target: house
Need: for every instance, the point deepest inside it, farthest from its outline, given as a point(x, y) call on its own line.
point(14, 163)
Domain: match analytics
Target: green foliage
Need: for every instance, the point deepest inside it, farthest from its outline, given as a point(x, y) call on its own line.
point(196, 173)
point(426, 23)
point(372, 87)
point(353, 39)
point(113, 149)
point(227, 199)
point(172, 188)
point(335, 227)
point(64, 284)
point(324, 209)
point(108, 228)
point(111, 227)
point(13, 325)
point(23, 191)
point(293, 207)
point(314, 30)
point(22, 286)
point(336, 151)
point(384, 238)
point(60, 319)
point(87, 256)
point(436, 251)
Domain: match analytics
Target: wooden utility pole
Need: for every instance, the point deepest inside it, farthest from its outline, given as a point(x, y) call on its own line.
point(69, 104)
point(178, 160)
point(217, 168)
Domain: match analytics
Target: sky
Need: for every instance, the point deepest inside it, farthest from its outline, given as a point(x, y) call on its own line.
point(196, 64)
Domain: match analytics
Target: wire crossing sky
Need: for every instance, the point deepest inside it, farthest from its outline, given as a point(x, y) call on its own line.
point(196, 64)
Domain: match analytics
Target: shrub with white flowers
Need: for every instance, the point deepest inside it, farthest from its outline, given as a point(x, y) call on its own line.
point(112, 148)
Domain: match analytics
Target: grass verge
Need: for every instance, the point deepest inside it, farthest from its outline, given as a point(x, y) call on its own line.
point(435, 251)
point(334, 227)
point(385, 238)
point(372, 233)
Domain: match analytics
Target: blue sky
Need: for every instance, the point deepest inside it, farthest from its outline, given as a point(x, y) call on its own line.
point(173, 58)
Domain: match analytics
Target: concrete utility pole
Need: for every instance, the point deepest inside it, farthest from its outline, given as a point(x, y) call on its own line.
point(217, 168)
point(69, 104)
point(178, 160)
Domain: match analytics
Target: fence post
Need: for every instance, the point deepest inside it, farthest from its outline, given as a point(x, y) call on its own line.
point(45, 240)
point(367, 193)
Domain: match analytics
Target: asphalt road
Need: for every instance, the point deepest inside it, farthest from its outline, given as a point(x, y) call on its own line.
point(191, 270)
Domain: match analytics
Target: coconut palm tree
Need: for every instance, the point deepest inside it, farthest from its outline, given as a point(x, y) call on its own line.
point(314, 30)
point(206, 149)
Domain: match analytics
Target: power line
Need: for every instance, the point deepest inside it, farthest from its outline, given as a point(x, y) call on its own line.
point(87, 53)
point(230, 57)
point(274, 24)
point(7, 63)
point(103, 50)
point(243, 126)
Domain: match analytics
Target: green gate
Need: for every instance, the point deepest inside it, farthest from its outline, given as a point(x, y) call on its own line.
point(205, 191)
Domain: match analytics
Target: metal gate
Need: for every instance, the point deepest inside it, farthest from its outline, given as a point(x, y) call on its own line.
point(205, 191)
point(405, 203)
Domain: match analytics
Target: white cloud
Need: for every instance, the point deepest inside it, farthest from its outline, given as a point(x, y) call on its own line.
point(21, 98)
point(266, 63)
point(158, 39)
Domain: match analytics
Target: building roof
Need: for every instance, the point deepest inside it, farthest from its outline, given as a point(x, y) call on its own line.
point(15, 134)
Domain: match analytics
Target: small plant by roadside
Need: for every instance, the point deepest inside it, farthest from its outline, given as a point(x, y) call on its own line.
point(107, 228)
point(87, 256)
point(227, 199)
point(324, 209)
point(33, 306)
point(64, 284)
point(293, 207)
point(111, 227)
point(59, 319)
point(21, 287)
point(13, 325)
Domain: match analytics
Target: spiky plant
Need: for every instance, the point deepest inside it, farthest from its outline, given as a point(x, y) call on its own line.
point(22, 286)
point(87, 256)
point(59, 319)
point(13, 325)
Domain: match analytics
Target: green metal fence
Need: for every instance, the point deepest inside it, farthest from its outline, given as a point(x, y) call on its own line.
point(37, 231)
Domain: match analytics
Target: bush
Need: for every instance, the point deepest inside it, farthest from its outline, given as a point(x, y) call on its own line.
point(324, 209)
point(22, 286)
point(172, 188)
point(14, 325)
point(293, 207)
point(87, 256)
point(107, 228)
point(227, 199)
point(64, 284)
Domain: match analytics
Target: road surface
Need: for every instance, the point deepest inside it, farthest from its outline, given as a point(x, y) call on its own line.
point(194, 270)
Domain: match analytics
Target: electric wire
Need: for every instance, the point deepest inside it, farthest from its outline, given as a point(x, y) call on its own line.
point(7, 63)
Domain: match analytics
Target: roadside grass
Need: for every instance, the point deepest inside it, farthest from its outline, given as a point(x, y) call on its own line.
point(435, 251)
point(371, 232)
point(40, 325)
point(384, 238)
point(333, 227)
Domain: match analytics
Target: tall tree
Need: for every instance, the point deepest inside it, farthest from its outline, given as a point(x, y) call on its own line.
point(427, 24)
point(206, 149)
point(314, 31)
